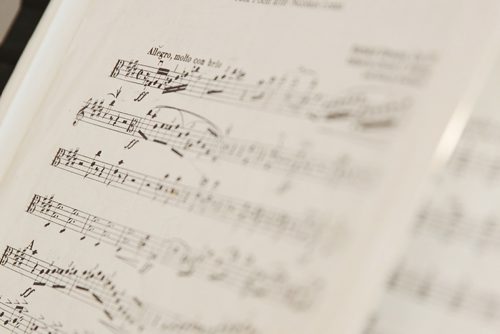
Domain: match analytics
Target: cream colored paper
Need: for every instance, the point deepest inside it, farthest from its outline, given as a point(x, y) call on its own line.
point(229, 166)
point(447, 280)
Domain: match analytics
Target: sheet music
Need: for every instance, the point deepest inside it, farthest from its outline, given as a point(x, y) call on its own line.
point(447, 282)
point(216, 167)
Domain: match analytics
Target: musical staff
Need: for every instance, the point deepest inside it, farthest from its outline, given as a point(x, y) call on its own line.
point(476, 154)
point(306, 229)
point(453, 222)
point(231, 267)
point(226, 87)
point(296, 94)
point(97, 289)
point(16, 319)
point(458, 225)
point(202, 139)
point(453, 296)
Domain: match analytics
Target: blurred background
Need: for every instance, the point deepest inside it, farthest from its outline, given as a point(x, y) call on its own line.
point(18, 20)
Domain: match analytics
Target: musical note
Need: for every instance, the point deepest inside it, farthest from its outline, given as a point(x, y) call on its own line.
point(364, 110)
point(231, 267)
point(199, 138)
point(16, 319)
point(451, 222)
point(451, 296)
point(449, 273)
point(476, 154)
point(174, 89)
point(97, 289)
point(305, 229)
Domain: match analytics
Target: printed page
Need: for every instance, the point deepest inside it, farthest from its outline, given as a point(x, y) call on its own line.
point(447, 281)
point(230, 166)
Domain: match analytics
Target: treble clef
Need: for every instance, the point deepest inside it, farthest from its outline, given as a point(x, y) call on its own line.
point(81, 113)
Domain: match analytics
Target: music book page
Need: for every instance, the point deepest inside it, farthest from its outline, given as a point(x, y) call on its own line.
point(228, 166)
point(447, 282)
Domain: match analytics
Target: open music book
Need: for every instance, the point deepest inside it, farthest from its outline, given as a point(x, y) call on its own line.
point(244, 166)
